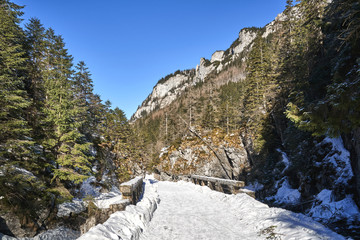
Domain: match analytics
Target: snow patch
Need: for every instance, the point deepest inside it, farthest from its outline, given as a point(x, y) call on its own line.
point(326, 209)
point(285, 194)
point(163, 151)
point(340, 160)
point(107, 199)
point(88, 188)
point(60, 233)
point(103, 200)
point(255, 186)
point(285, 160)
point(24, 171)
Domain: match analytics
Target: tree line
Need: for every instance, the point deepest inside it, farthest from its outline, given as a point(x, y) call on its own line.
point(54, 128)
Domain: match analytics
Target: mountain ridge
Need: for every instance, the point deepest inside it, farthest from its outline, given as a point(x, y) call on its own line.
point(218, 60)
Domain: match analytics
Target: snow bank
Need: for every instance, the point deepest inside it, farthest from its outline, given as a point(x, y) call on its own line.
point(340, 160)
point(130, 223)
point(255, 186)
point(6, 237)
point(325, 208)
point(285, 194)
point(104, 200)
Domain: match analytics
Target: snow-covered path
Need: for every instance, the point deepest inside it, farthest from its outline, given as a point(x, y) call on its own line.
point(187, 211)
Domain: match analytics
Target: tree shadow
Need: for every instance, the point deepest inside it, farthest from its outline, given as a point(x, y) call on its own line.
point(298, 220)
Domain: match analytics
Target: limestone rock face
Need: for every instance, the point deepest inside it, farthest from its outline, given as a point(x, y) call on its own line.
point(246, 37)
point(221, 156)
point(217, 56)
point(204, 69)
point(171, 87)
point(274, 25)
point(164, 93)
point(238, 159)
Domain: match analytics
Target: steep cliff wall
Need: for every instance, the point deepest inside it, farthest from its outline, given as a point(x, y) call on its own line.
point(172, 86)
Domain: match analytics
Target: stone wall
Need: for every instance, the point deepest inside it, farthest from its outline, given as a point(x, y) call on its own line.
point(100, 215)
point(221, 185)
point(132, 189)
point(127, 224)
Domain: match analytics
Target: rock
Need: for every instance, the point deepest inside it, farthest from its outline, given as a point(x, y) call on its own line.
point(17, 226)
point(238, 159)
point(352, 143)
point(165, 93)
point(100, 215)
point(217, 56)
point(68, 208)
point(204, 69)
point(246, 37)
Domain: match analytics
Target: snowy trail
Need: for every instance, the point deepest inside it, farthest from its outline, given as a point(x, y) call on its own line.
point(187, 211)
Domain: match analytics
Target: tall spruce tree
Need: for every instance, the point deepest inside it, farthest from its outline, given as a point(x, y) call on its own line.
point(35, 49)
point(82, 89)
point(14, 139)
point(69, 149)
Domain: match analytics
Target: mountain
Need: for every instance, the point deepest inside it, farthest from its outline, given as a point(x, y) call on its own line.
point(170, 87)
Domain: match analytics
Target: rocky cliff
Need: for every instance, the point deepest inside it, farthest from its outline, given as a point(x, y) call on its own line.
point(172, 86)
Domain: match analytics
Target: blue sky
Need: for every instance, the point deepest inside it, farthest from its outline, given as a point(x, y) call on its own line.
point(130, 45)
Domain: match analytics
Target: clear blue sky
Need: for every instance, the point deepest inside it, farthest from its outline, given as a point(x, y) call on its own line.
point(129, 45)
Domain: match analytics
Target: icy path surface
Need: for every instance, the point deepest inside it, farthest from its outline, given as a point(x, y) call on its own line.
point(187, 211)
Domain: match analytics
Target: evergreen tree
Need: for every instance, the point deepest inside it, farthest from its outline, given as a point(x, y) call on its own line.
point(208, 120)
point(35, 48)
point(85, 99)
point(14, 140)
point(333, 107)
point(68, 146)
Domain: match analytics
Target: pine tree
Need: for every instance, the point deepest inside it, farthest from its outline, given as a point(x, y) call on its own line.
point(208, 120)
point(14, 140)
point(35, 49)
point(85, 98)
point(70, 150)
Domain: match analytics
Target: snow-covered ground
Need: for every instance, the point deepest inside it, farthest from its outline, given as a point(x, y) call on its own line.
point(187, 211)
